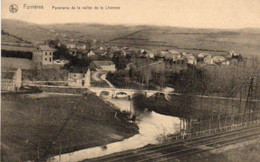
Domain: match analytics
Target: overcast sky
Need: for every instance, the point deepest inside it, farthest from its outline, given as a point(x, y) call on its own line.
point(184, 13)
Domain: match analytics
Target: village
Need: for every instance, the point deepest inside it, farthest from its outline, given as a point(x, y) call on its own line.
point(73, 99)
point(100, 60)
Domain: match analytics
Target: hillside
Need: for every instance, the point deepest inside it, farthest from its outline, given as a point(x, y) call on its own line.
point(217, 41)
point(195, 40)
point(92, 31)
point(27, 31)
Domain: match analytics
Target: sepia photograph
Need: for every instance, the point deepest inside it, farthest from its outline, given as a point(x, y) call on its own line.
point(130, 80)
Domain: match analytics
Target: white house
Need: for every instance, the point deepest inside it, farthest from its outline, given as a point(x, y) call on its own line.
point(43, 55)
point(79, 77)
point(11, 79)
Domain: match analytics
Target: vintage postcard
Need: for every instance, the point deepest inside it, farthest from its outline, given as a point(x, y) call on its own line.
point(130, 80)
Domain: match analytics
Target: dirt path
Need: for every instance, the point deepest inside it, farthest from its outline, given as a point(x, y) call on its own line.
point(103, 77)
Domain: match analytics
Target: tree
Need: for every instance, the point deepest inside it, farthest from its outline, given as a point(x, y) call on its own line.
point(192, 80)
point(139, 102)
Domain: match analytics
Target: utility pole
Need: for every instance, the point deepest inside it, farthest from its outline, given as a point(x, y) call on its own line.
point(64, 124)
point(248, 106)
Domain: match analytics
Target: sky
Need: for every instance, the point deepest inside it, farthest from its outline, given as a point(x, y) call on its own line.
point(182, 13)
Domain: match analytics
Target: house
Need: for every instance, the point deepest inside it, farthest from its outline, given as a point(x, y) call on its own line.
point(43, 55)
point(79, 77)
point(103, 66)
point(123, 53)
point(190, 59)
point(218, 59)
point(208, 60)
point(71, 46)
point(149, 55)
point(202, 55)
point(73, 52)
point(161, 54)
point(104, 54)
point(11, 79)
point(101, 48)
point(81, 47)
point(173, 56)
point(91, 54)
point(234, 55)
point(142, 53)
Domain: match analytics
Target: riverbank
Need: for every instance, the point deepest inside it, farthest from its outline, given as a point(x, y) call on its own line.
point(153, 127)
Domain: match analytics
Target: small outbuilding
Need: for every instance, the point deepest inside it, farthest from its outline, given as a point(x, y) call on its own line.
point(79, 77)
point(11, 79)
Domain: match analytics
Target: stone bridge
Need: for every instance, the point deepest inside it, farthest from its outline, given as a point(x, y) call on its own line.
point(113, 92)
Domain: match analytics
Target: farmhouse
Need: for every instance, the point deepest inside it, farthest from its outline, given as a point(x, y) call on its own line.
point(43, 55)
point(103, 66)
point(79, 77)
point(11, 79)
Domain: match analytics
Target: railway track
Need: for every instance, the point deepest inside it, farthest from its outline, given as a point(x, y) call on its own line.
point(171, 151)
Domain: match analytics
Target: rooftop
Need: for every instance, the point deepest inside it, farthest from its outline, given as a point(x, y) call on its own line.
point(45, 48)
point(98, 64)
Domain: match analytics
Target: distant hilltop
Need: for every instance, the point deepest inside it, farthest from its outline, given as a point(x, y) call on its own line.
point(244, 41)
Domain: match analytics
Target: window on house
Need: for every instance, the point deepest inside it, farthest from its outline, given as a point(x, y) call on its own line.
point(50, 59)
point(45, 59)
point(50, 53)
point(74, 75)
point(83, 75)
point(46, 53)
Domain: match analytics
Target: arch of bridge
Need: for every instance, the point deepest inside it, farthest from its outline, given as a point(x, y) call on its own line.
point(130, 92)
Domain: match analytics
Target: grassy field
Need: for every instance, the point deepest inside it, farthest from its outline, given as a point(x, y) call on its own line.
point(29, 32)
point(249, 153)
point(16, 63)
point(45, 75)
point(29, 124)
point(194, 40)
